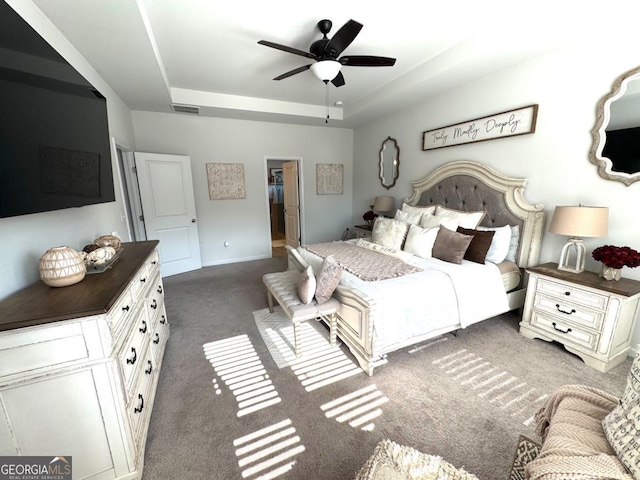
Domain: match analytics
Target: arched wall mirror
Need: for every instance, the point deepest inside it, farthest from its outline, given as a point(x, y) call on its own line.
point(389, 162)
point(616, 135)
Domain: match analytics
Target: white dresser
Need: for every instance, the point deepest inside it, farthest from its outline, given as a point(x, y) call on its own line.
point(590, 316)
point(79, 366)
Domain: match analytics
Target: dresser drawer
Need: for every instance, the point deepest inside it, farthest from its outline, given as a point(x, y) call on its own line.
point(155, 299)
point(159, 336)
point(565, 310)
point(573, 294)
point(565, 332)
point(130, 357)
point(141, 402)
point(118, 316)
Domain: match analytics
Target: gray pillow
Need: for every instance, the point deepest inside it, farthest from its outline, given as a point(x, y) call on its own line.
point(451, 246)
point(327, 279)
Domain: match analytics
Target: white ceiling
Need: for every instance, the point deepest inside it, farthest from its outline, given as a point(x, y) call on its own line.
point(205, 52)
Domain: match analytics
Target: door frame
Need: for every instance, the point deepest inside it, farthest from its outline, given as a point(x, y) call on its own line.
point(300, 195)
point(128, 176)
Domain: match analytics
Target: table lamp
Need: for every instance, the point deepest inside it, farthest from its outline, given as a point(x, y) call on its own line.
point(576, 222)
point(384, 204)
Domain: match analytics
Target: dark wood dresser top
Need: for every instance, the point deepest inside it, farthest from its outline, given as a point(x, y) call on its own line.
point(38, 303)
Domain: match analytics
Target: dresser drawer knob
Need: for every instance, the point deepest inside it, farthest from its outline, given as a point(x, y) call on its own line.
point(150, 369)
point(164, 320)
point(154, 304)
point(159, 289)
point(135, 356)
point(566, 312)
point(157, 339)
point(143, 280)
point(567, 293)
point(125, 309)
point(559, 329)
point(143, 329)
point(139, 409)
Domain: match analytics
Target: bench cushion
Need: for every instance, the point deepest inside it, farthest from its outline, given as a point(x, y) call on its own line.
point(283, 287)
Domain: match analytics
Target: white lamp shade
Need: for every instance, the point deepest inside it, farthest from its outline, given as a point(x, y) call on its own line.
point(580, 221)
point(384, 204)
point(326, 70)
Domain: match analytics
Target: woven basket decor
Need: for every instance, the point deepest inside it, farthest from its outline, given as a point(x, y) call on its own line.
point(61, 267)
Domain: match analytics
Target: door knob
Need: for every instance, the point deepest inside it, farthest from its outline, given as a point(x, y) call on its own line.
point(193, 220)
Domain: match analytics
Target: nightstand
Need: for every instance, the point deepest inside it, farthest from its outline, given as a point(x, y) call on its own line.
point(590, 316)
point(363, 231)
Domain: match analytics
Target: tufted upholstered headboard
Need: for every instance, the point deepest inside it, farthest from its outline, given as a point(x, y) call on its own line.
point(471, 186)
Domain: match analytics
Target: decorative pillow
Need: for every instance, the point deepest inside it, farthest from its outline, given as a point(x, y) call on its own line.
point(410, 218)
point(389, 232)
point(392, 252)
point(499, 245)
point(513, 243)
point(429, 220)
point(479, 246)
point(420, 241)
point(327, 279)
point(418, 209)
point(466, 219)
point(622, 425)
point(307, 286)
point(451, 246)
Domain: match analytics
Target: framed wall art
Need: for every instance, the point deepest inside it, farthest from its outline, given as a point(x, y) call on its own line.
point(520, 121)
point(226, 181)
point(329, 178)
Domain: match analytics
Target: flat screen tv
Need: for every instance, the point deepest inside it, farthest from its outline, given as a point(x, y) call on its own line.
point(54, 135)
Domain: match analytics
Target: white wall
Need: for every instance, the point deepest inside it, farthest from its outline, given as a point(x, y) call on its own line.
point(567, 85)
point(24, 239)
point(245, 223)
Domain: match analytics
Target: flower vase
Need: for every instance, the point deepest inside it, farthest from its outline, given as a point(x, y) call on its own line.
point(609, 273)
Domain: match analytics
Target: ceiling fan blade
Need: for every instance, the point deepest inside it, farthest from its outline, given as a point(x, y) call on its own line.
point(284, 48)
point(293, 72)
point(339, 80)
point(367, 61)
point(343, 38)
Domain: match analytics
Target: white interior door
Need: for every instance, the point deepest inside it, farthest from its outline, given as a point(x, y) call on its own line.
point(168, 206)
point(291, 203)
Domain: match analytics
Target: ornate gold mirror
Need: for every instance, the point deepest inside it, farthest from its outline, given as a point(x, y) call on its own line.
point(616, 135)
point(389, 162)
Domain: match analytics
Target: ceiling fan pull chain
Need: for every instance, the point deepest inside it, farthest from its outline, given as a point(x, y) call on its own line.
point(326, 86)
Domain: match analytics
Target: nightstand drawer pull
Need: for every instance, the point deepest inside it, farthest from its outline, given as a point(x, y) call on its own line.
point(566, 312)
point(559, 329)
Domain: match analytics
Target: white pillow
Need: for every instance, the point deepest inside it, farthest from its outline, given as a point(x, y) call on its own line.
point(500, 242)
point(418, 209)
point(466, 219)
point(389, 232)
point(392, 252)
point(433, 221)
point(306, 286)
point(411, 218)
point(420, 241)
point(513, 244)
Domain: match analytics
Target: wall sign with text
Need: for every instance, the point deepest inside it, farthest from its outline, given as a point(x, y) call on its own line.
point(505, 124)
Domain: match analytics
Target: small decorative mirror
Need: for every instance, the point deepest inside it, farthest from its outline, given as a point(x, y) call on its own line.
point(389, 162)
point(616, 144)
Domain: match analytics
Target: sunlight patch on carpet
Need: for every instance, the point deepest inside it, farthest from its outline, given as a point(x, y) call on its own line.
point(358, 408)
point(238, 366)
point(269, 452)
point(492, 384)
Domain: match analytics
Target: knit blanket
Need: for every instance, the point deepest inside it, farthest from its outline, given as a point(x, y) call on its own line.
point(368, 265)
point(574, 445)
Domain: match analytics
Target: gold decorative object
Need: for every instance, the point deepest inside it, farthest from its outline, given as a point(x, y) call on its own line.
point(108, 241)
point(61, 267)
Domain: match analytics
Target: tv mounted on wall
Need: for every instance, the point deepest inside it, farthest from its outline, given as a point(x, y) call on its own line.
point(54, 136)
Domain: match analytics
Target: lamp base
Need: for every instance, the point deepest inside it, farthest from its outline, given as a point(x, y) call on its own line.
point(565, 264)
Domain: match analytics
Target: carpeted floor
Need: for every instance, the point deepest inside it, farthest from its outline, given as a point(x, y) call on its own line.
point(224, 410)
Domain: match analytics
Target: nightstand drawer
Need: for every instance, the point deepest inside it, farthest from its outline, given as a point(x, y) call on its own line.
point(569, 311)
point(565, 333)
point(572, 294)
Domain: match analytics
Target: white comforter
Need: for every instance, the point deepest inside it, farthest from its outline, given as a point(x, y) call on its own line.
point(442, 295)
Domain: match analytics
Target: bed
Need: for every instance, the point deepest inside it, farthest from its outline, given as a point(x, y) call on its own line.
point(438, 297)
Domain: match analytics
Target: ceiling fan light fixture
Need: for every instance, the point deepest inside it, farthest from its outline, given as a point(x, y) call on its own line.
point(326, 70)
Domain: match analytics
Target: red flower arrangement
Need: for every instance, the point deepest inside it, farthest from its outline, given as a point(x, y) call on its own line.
point(368, 216)
point(617, 257)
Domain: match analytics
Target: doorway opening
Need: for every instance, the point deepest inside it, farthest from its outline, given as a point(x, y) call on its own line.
point(284, 203)
point(131, 194)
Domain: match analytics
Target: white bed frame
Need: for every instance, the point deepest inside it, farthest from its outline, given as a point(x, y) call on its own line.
point(461, 185)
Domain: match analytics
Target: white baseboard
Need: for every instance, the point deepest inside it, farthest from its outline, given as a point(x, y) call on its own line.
point(235, 260)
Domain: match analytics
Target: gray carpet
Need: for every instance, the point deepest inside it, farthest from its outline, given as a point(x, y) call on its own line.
point(224, 410)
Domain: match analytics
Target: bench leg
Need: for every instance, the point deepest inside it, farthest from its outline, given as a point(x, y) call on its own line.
point(270, 300)
point(333, 328)
point(296, 339)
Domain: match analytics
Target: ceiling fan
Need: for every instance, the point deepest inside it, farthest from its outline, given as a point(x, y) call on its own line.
point(326, 52)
